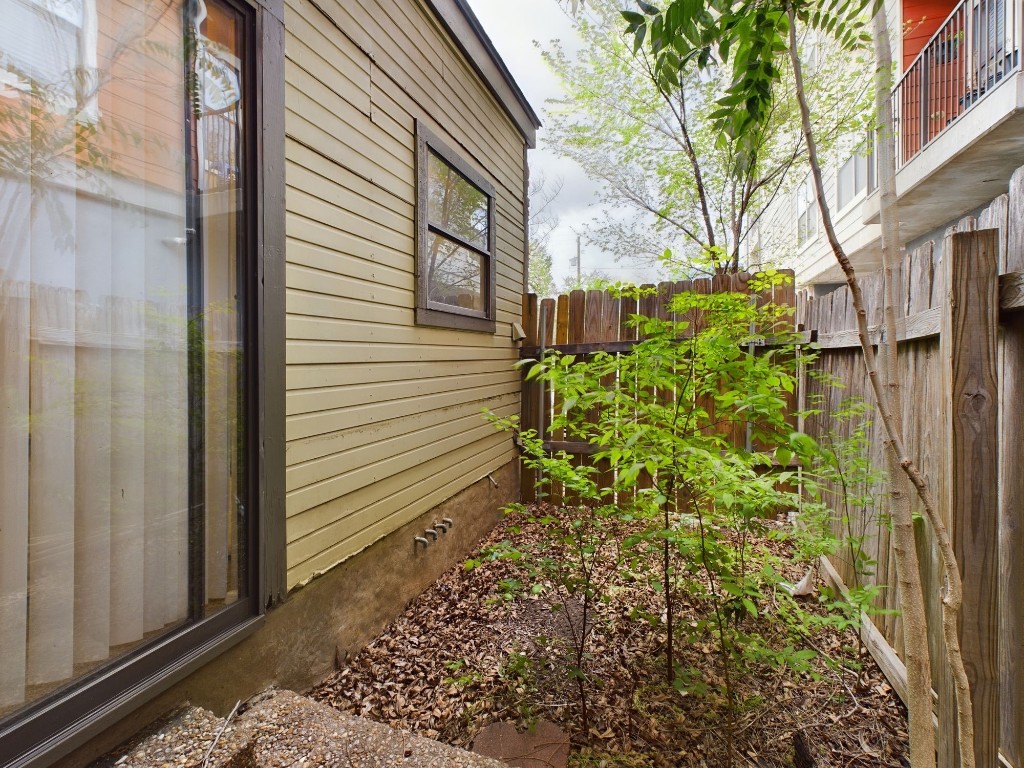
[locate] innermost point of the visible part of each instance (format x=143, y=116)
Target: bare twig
x=220, y=732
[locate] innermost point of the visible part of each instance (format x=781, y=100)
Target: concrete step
x=284, y=729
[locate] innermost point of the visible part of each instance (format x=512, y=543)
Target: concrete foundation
x=333, y=616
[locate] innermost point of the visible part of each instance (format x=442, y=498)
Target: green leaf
x=783, y=456
x=634, y=19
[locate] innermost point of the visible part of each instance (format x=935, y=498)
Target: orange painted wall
x=921, y=18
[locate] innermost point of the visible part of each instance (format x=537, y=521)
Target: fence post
x=970, y=322
x=1011, y=541
x=528, y=405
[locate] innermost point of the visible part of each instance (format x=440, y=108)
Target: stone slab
x=545, y=746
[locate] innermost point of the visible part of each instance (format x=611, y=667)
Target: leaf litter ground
x=464, y=655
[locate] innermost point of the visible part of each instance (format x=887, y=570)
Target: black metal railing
x=974, y=49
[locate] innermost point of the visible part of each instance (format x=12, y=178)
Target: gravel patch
x=281, y=728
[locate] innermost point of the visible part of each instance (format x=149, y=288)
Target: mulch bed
x=464, y=655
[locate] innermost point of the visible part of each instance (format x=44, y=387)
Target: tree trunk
x=896, y=449
x=912, y=605
x=886, y=153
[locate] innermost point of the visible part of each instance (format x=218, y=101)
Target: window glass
x=455, y=274
x=122, y=227
x=806, y=211
x=455, y=240
x=852, y=179
x=456, y=206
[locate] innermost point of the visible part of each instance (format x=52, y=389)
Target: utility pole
x=579, y=264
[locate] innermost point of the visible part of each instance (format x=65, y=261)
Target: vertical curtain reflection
x=95, y=329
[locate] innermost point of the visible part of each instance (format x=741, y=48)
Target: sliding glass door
x=125, y=212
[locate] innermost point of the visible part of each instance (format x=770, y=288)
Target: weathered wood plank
x=561, y=337
x=921, y=325
x=547, y=309
x=577, y=335
x=528, y=409
x=994, y=217
x=1015, y=223
x=1011, y=544
x=562, y=320
x=920, y=287
x=1011, y=291
x=577, y=317
x=627, y=309
x=609, y=333
x=968, y=353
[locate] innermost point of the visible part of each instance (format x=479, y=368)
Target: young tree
x=687, y=499
x=543, y=222
x=752, y=35
x=669, y=178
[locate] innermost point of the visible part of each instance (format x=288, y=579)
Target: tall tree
x=669, y=177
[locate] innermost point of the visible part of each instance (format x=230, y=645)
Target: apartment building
x=959, y=110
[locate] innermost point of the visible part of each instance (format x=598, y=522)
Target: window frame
x=432, y=313
x=49, y=728
x=806, y=197
x=856, y=165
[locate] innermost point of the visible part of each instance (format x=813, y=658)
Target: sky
x=514, y=26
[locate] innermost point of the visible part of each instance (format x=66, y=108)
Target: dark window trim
x=54, y=726
x=269, y=305
x=434, y=313
x=50, y=728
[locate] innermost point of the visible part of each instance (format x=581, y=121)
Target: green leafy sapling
x=694, y=426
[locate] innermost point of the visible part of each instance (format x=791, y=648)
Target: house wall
x=383, y=416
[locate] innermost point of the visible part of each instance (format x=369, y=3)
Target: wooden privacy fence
x=961, y=362
x=585, y=322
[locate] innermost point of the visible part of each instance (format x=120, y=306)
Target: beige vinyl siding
x=383, y=416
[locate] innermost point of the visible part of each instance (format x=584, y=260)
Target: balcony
x=975, y=49
x=959, y=111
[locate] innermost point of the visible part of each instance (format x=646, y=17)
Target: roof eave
x=469, y=35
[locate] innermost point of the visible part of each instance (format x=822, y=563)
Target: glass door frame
x=47, y=729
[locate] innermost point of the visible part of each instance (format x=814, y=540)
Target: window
x=852, y=178
x=806, y=212
x=128, y=294
x=455, y=240
x=872, y=162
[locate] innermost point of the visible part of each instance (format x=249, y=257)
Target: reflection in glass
x=456, y=206
x=455, y=276
x=120, y=234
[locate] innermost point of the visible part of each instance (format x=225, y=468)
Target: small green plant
x=517, y=674
x=462, y=675
x=851, y=488
x=568, y=564
x=693, y=425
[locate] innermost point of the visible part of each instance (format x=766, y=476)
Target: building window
x=455, y=261
x=852, y=178
x=127, y=293
x=806, y=212
x=872, y=162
